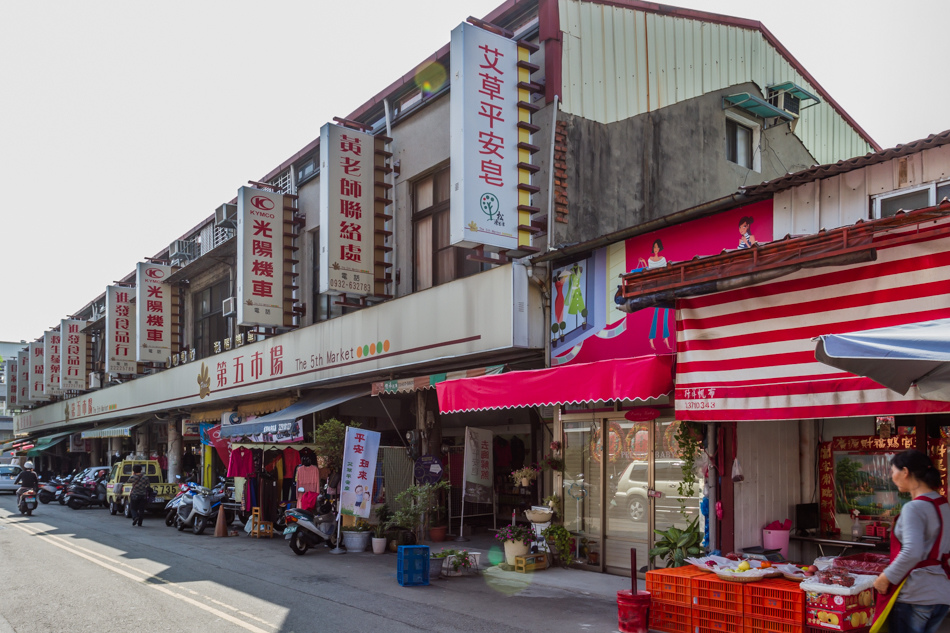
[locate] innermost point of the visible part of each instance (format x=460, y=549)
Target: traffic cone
x=220, y=529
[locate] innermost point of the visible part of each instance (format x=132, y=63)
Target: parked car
x=8, y=474
x=631, y=493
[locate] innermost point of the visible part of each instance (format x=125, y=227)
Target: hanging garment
x=308, y=478
x=274, y=464
x=240, y=464
x=257, y=457
x=291, y=461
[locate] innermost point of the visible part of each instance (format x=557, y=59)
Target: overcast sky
x=124, y=124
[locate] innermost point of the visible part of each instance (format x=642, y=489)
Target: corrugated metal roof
x=826, y=171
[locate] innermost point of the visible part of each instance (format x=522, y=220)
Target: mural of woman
x=659, y=314
x=575, y=294
x=746, y=239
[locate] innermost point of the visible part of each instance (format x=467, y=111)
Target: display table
x=844, y=541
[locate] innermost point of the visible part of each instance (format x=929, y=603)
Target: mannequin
x=308, y=483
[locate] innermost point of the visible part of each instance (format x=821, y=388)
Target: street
x=77, y=571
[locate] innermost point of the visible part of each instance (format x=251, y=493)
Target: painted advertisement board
x=260, y=258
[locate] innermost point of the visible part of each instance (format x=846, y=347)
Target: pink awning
x=638, y=378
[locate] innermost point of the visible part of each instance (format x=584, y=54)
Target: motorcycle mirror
x=301, y=490
x=177, y=476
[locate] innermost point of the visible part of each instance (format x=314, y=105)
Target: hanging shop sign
x=260, y=257
x=72, y=369
x=79, y=445
x=427, y=469
x=120, y=330
x=153, y=300
x=478, y=469
x=52, y=361
x=347, y=216
x=10, y=380
x=360, y=450
x=190, y=429
x=37, y=370
x=23, y=377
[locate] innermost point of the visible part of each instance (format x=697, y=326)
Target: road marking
x=149, y=580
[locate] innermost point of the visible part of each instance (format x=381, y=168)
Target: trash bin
x=633, y=611
x=776, y=539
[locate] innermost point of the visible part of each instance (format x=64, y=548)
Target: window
x=888, y=204
x=210, y=324
x=436, y=260
x=739, y=143
x=322, y=304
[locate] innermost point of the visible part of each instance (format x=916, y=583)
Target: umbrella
x=896, y=357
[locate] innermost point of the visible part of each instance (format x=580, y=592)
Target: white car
x=8, y=474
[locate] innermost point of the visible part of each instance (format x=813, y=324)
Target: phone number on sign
x=349, y=285
x=699, y=404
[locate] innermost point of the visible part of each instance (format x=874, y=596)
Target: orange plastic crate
x=716, y=621
x=670, y=617
x=672, y=585
x=709, y=592
x=775, y=600
x=759, y=625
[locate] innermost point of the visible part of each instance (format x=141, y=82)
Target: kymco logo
x=154, y=273
x=263, y=203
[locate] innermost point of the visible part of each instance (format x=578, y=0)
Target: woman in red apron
x=920, y=551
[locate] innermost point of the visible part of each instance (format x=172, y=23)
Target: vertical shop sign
x=478, y=471
x=37, y=369
x=120, y=330
x=153, y=313
x=10, y=370
x=359, y=469
x=189, y=429
x=52, y=353
x=211, y=436
x=72, y=370
x=23, y=378
x=260, y=258
x=347, y=211
x=484, y=141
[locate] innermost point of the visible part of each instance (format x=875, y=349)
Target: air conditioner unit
x=784, y=100
x=225, y=216
x=229, y=306
x=181, y=251
x=95, y=380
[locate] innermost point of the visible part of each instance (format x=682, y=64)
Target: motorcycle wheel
x=45, y=498
x=62, y=500
x=200, y=524
x=72, y=503
x=180, y=525
x=298, y=543
x=113, y=508
x=29, y=513
x=170, y=518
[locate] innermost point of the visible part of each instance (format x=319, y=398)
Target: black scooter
x=88, y=493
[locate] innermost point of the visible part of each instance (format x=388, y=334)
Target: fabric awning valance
x=122, y=429
x=211, y=415
x=408, y=385
x=263, y=407
x=281, y=420
x=640, y=378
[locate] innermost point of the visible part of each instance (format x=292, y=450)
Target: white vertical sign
x=72, y=372
x=10, y=370
x=120, y=330
x=52, y=352
x=153, y=327
x=478, y=469
x=260, y=258
x=347, y=211
x=359, y=471
x=37, y=368
x=484, y=139
x=23, y=378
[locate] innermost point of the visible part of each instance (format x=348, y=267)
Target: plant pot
x=355, y=541
x=525, y=482
x=437, y=534
x=513, y=549
x=379, y=545
x=435, y=567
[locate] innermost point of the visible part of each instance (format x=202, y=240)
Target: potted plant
x=561, y=542
x=330, y=439
x=553, y=502
x=454, y=562
x=517, y=540
x=525, y=475
x=356, y=537
x=379, y=530
x=675, y=545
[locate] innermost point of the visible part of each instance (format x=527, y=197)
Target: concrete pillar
x=807, y=443
x=115, y=448
x=174, y=449
x=141, y=441
x=95, y=453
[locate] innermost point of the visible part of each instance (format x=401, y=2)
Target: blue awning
x=283, y=420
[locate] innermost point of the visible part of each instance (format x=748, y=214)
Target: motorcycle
x=171, y=508
x=308, y=529
x=89, y=493
x=51, y=490
x=199, y=507
x=27, y=502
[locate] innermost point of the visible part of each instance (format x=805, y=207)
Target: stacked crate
x=717, y=604
x=671, y=598
x=774, y=606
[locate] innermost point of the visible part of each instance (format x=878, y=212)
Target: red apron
x=935, y=557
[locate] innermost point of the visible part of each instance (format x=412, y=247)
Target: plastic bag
x=737, y=475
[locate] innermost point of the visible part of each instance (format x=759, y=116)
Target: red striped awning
x=640, y=378
x=749, y=354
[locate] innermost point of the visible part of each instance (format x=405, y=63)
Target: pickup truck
x=116, y=492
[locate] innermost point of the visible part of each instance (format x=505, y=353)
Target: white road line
x=146, y=579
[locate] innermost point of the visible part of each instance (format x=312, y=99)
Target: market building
x=362, y=273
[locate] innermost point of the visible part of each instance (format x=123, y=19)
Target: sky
x=125, y=124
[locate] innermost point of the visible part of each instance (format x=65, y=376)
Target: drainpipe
x=541, y=280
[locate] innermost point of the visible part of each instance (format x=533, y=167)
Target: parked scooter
x=88, y=493
x=199, y=507
x=308, y=529
x=51, y=490
x=171, y=508
x=27, y=502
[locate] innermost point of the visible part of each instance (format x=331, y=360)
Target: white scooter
x=198, y=507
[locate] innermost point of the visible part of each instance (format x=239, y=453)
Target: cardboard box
x=839, y=620
x=840, y=603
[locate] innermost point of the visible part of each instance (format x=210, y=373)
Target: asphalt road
x=78, y=571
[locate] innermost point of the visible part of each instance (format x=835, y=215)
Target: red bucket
x=633, y=611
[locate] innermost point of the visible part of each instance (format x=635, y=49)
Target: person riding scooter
x=27, y=480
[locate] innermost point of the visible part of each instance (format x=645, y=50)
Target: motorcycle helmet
x=28, y=465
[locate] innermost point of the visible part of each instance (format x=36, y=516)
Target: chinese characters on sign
x=10, y=376
x=478, y=468
x=484, y=139
x=120, y=330
x=347, y=211
x=153, y=313
x=258, y=365
x=260, y=258
x=72, y=371
x=37, y=365
x=52, y=352
x=23, y=379
x=359, y=472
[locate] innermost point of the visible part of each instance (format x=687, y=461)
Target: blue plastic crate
x=412, y=565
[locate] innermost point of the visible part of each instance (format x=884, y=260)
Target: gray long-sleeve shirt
x=917, y=530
